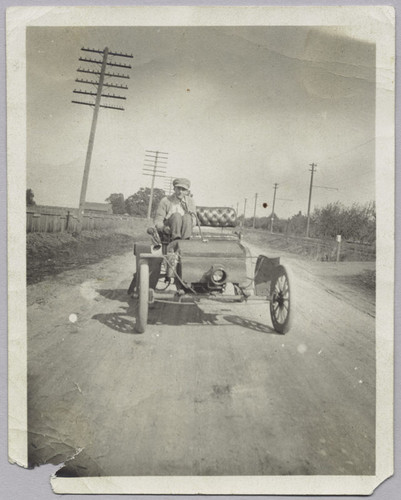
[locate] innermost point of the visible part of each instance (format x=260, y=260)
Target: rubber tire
x=281, y=326
x=143, y=298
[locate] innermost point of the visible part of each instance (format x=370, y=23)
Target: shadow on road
x=248, y=323
x=159, y=314
x=119, y=294
x=116, y=321
x=173, y=314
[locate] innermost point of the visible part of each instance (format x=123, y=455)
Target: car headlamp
x=218, y=276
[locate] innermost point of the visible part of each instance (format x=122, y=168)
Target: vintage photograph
x=202, y=256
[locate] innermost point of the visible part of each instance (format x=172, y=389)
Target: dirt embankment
x=51, y=253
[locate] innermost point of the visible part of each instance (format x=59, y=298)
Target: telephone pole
x=168, y=184
x=154, y=166
x=274, y=202
x=312, y=171
x=100, y=72
x=254, y=210
x=243, y=222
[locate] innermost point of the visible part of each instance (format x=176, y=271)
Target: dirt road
x=209, y=390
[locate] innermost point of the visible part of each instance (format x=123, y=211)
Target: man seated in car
x=175, y=214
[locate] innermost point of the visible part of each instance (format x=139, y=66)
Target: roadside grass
x=368, y=279
x=350, y=269
x=311, y=248
x=51, y=253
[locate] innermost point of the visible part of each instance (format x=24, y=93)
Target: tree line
x=136, y=204
x=356, y=222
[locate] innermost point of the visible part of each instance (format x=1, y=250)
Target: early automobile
x=213, y=264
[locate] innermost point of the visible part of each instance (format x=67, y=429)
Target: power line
x=326, y=187
x=328, y=158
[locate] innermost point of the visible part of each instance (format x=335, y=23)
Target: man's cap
x=181, y=182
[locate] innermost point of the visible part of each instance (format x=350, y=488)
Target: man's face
x=180, y=192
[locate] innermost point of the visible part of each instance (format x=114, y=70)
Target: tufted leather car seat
x=216, y=216
x=209, y=217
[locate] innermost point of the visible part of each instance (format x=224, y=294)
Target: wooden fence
x=326, y=250
x=316, y=249
x=67, y=221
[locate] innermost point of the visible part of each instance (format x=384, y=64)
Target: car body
x=215, y=265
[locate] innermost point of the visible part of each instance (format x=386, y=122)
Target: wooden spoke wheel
x=143, y=298
x=281, y=300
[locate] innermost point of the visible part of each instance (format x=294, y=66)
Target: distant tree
x=360, y=222
x=262, y=223
x=30, y=197
x=279, y=225
x=329, y=220
x=297, y=224
x=137, y=204
x=368, y=234
x=248, y=222
x=357, y=222
x=117, y=203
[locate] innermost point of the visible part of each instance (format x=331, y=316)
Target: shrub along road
x=208, y=390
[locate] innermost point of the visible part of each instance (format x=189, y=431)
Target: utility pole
x=274, y=202
x=254, y=210
x=100, y=73
x=243, y=222
x=154, y=166
x=237, y=208
x=312, y=171
x=168, y=184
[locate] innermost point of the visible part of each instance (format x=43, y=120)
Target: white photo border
x=380, y=22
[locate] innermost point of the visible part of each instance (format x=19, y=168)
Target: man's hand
x=155, y=236
x=167, y=229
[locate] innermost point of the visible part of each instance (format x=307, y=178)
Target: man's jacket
x=171, y=205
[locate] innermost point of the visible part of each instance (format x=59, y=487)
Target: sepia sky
x=237, y=109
